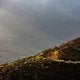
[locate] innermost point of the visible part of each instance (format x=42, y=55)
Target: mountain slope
x=66, y=51
x=59, y=63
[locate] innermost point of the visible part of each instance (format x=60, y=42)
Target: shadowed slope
x=70, y=50
x=59, y=63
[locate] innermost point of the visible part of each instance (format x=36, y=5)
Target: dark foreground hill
x=59, y=63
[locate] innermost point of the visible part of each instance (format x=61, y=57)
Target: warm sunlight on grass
x=56, y=55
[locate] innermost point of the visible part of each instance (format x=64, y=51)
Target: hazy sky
x=29, y=26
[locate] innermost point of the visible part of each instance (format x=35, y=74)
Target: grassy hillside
x=59, y=63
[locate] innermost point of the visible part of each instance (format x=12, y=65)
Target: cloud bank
x=29, y=26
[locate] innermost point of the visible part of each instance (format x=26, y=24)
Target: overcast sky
x=30, y=26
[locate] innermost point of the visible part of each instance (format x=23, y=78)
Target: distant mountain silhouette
x=59, y=63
